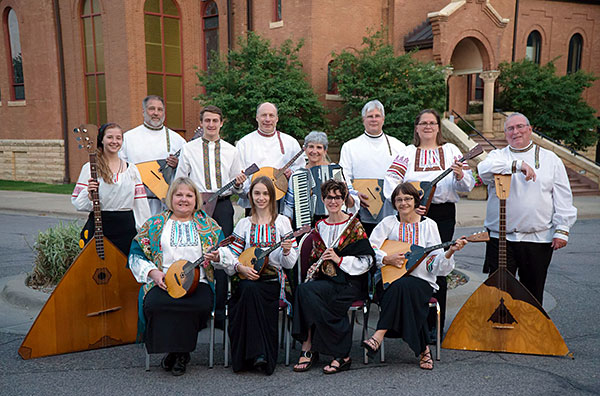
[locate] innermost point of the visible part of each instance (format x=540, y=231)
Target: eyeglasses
x=334, y=198
x=424, y=124
x=518, y=126
x=407, y=200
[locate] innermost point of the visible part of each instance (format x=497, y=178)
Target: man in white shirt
x=369, y=157
x=266, y=146
x=539, y=208
x=152, y=141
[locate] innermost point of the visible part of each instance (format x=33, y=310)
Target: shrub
x=55, y=249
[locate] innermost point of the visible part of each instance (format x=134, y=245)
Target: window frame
x=570, y=53
x=9, y=57
x=204, y=30
x=95, y=73
x=537, y=50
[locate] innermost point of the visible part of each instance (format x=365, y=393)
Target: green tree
x=404, y=85
x=553, y=104
x=256, y=73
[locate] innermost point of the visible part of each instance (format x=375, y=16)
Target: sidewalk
x=19, y=305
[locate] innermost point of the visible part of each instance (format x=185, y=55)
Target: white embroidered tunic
x=126, y=193
x=417, y=164
x=424, y=233
x=536, y=211
x=367, y=157
x=142, y=144
x=178, y=241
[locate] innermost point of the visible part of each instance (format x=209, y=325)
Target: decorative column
x=448, y=70
x=488, y=77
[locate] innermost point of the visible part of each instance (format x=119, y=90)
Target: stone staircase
x=580, y=185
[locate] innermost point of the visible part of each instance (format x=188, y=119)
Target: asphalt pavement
x=572, y=290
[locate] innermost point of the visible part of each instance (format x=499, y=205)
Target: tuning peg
x=78, y=138
x=76, y=130
x=84, y=130
x=81, y=146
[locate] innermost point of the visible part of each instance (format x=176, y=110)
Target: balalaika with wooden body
x=426, y=189
x=95, y=303
x=182, y=276
x=277, y=176
x=258, y=258
x=306, y=183
x=157, y=174
x=502, y=315
x=209, y=199
x=414, y=255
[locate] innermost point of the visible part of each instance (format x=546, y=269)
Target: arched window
x=575, y=49
x=15, y=58
x=93, y=57
x=534, y=46
x=210, y=21
x=332, y=88
x=164, y=70
x=277, y=16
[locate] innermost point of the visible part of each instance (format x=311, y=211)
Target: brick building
x=65, y=62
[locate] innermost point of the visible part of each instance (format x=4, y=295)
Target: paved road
x=573, y=286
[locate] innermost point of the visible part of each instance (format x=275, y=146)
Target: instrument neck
x=502, y=235
x=445, y=173
x=98, y=231
x=265, y=253
x=290, y=162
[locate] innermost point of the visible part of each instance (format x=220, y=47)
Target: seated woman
x=254, y=306
x=321, y=306
x=405, y=303
x=122, y=195
x=182, y=232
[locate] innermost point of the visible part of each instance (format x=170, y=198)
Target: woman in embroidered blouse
x=424, y=160
x=321, y=306
x=404, y=304
x=183, y=232
x=254, y=306
x=122, y=196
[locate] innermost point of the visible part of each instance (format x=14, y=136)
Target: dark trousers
x=445, y=217
x=529, y=258
x=223, y=215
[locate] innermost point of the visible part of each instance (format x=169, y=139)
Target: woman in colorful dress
x=321, y=306
x=405, y=303
x=424, y=160
x=254, y=306
x=123, y=203
x=183, y=232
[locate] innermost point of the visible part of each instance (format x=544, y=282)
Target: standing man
x=369, y=157
x=152, y=141
x=266, y=146
x=539, y=208
x=211, y=163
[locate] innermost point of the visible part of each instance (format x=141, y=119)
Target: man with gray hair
x=365, y=160
x=539, y=207
x=152, y=141
x=267, y=146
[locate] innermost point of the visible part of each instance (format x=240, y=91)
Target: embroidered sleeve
x=394, y=175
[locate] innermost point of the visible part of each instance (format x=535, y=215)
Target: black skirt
x=254, y=316
x=172, y=324
x=118, y=226
x=322, y=306
x=404, y=308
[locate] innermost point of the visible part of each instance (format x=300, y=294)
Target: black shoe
x=168, y=361
x=260, y=362
x=180, y=364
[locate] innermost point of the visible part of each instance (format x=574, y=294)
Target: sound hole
x=102, y=276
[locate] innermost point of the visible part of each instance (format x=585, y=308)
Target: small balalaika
x=502, y=315
x=307, y=191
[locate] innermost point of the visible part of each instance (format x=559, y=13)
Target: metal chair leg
x=147, y=358
x=382, y=351
x=287, y=337
x=211, y=343
x=365, y=330
x=439, y=332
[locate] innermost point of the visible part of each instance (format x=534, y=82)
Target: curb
x=16, y=293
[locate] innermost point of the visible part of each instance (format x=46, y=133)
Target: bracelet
x=235, y=267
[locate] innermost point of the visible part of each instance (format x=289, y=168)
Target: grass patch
x=37, y=187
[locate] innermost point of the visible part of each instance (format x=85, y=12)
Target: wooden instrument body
x=209, y=199
x=182, y=278
x=390, y=273
x=154, y=176
x=208, y=205
x=93, y=306
x=502, y=315
x=373, y=189
x=251, y=258
x=278, y=178
x=426, y=191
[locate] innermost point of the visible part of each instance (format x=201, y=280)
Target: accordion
x=306, y=184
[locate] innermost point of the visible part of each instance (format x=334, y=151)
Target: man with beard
x=152, y=141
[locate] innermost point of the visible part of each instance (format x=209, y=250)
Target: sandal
x=426, y=361
x=313, y=358
x=372, y=346
x=343, y=366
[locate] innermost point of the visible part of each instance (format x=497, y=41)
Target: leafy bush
x=55, y=250
x=553, y=104
x=404, y=85
x=257, y=73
